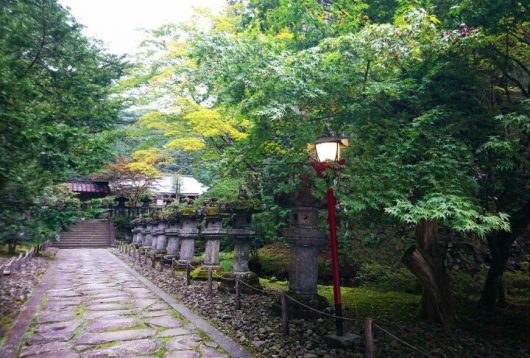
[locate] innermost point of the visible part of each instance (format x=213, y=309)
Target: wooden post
x=173, y=267
x=369, y=338
x=162, y=263
x=145, y=257
x=238, y=294
x=153, y=260
x=209, y=282
x=285, y=315
x=188, y=274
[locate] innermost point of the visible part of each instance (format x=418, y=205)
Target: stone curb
x=16, y=334
x=229, y=345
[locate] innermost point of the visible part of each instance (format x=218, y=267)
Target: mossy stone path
x=93, y=306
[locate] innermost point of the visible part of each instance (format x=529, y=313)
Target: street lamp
x=328, y=157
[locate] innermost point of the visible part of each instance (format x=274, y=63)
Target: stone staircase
x=93, y=233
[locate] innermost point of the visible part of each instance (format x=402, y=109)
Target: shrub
x=387, y=278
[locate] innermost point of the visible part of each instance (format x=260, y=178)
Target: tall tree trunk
x=11, y=247
x=427, y=262
x=499, y=244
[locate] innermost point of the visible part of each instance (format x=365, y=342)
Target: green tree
x=55, y=102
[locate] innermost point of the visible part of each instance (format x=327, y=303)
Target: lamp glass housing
x=328, y=148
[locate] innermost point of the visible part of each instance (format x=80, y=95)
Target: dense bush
x=387, y=278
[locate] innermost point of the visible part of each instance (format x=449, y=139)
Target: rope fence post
x=209, y=293
x=369, y=338
x=162, y=263
x=285, y=315
x=173, y=267
x=188, y=274
x=238, y=294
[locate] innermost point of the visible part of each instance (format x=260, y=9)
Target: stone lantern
x=305, y=238
x=241, y=233
x=172, y=234
x=188, y=232
x=135, y=233
x=213, y=232
x=147, y=237
x=161, y=241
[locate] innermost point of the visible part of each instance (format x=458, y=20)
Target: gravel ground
x=17, y=287
x=259, y=329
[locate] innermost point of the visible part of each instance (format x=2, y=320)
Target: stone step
x=85, y=241
x=81, y=236
x=82, y=246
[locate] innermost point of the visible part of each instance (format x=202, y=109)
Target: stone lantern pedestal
x=161, y=239
x=213, y=232
x=172, y=234
x=241, y=233
x=161, y=243
x=137, y=236
x=188, y=232
x=147, y=240
x=305, y=239
x=147, y=237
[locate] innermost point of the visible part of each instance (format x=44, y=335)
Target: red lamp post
x=328, y=158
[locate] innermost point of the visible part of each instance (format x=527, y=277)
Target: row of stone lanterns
x=172, y=238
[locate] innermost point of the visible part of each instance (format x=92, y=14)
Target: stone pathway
x=93, y=306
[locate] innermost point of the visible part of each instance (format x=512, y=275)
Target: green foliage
x=54, y=107
x=95, y=209
x=387, y=278
x=56, y=209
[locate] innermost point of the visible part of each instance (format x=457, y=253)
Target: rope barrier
x=402, y=341
x=322, y=312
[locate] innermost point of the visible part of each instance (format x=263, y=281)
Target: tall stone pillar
x=305, y=239
x=147, y=236
x=213, y=232
x=188, y=233
x=241, y=233
x=172, y=234
x=161, y=241
x=138, y=239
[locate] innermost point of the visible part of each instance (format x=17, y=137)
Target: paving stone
x=52, y=336
x=211, y=344
x=106, y=337
x=207, y=352
x=106, y=294
x=166, y=322
x=174, y=332
x=101, y=314
x=62, y=293
x=43, y=348
x=182, y=354
x=106, y=307
x=58, y=307
x=143, y=303
x=70, y=301
x=57, y=326
x=49, y=316
x=156, y=313
x=159, y=306
x=57, y=354
x=116, y=299
x=135, y=348
x=102, y=325
x=82, y=347
x=182, y=343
